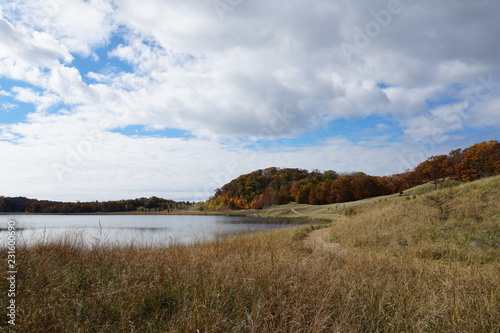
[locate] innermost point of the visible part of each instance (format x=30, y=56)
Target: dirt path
x=316, y=241
x=296, y=212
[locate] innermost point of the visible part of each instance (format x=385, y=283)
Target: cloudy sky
x=105, y=100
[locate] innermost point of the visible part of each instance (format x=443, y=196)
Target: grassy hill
x=398, y=265
x=465, y=229
x=333, y=211
x=276, y=186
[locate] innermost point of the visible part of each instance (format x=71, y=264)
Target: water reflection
x=134, y=229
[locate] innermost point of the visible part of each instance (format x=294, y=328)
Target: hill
x=278, y=186
x=330, y=212
x=456, y=224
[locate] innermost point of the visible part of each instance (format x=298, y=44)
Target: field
x=427, y=261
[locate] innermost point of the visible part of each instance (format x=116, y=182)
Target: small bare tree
x=441, y=203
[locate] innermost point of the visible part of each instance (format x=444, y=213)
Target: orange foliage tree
x=480, y=160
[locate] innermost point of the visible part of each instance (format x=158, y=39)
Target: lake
x=138, y=230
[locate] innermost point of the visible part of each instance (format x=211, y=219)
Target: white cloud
x=7, y=107
x=78, y=25
x=486, y=114
x=41, y=101
x=30, y=47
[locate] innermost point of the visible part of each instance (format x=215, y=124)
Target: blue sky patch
x=140, y=130
x=383, y=85
x=103, y=64
x=355, y=130
x=13, y=111
x=358, y=130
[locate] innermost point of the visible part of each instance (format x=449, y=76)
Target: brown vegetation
x=401, y=270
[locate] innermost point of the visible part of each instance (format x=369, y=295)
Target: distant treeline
x=276, y=186
x=21, y=205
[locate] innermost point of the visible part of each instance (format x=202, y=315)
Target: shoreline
x=223, y=213
x=234, y=213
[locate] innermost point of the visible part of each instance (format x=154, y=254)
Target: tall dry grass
x=273, y=282
x=468, y=233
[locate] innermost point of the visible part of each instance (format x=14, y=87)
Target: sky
x=108, y=100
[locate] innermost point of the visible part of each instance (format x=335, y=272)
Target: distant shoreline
x=175, y=212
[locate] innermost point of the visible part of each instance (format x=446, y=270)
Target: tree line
x=276, y=186
x=25, y=205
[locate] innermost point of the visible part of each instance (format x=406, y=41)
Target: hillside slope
x=334, y=211
x=277, y=186
x=457, y=224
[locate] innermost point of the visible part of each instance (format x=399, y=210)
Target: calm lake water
x=133, y=229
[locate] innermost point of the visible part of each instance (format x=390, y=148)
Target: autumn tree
x=302, y=196
x=434, y=169
x=318, y=194
x=480, y=160
x=342, y=190
x=366, y=187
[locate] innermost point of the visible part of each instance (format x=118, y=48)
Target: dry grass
x=403, y=270
x=468, y=233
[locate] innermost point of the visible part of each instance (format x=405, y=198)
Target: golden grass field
x=396, y=264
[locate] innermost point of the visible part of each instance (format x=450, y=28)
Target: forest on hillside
x=276, y=186
x=25, y=205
